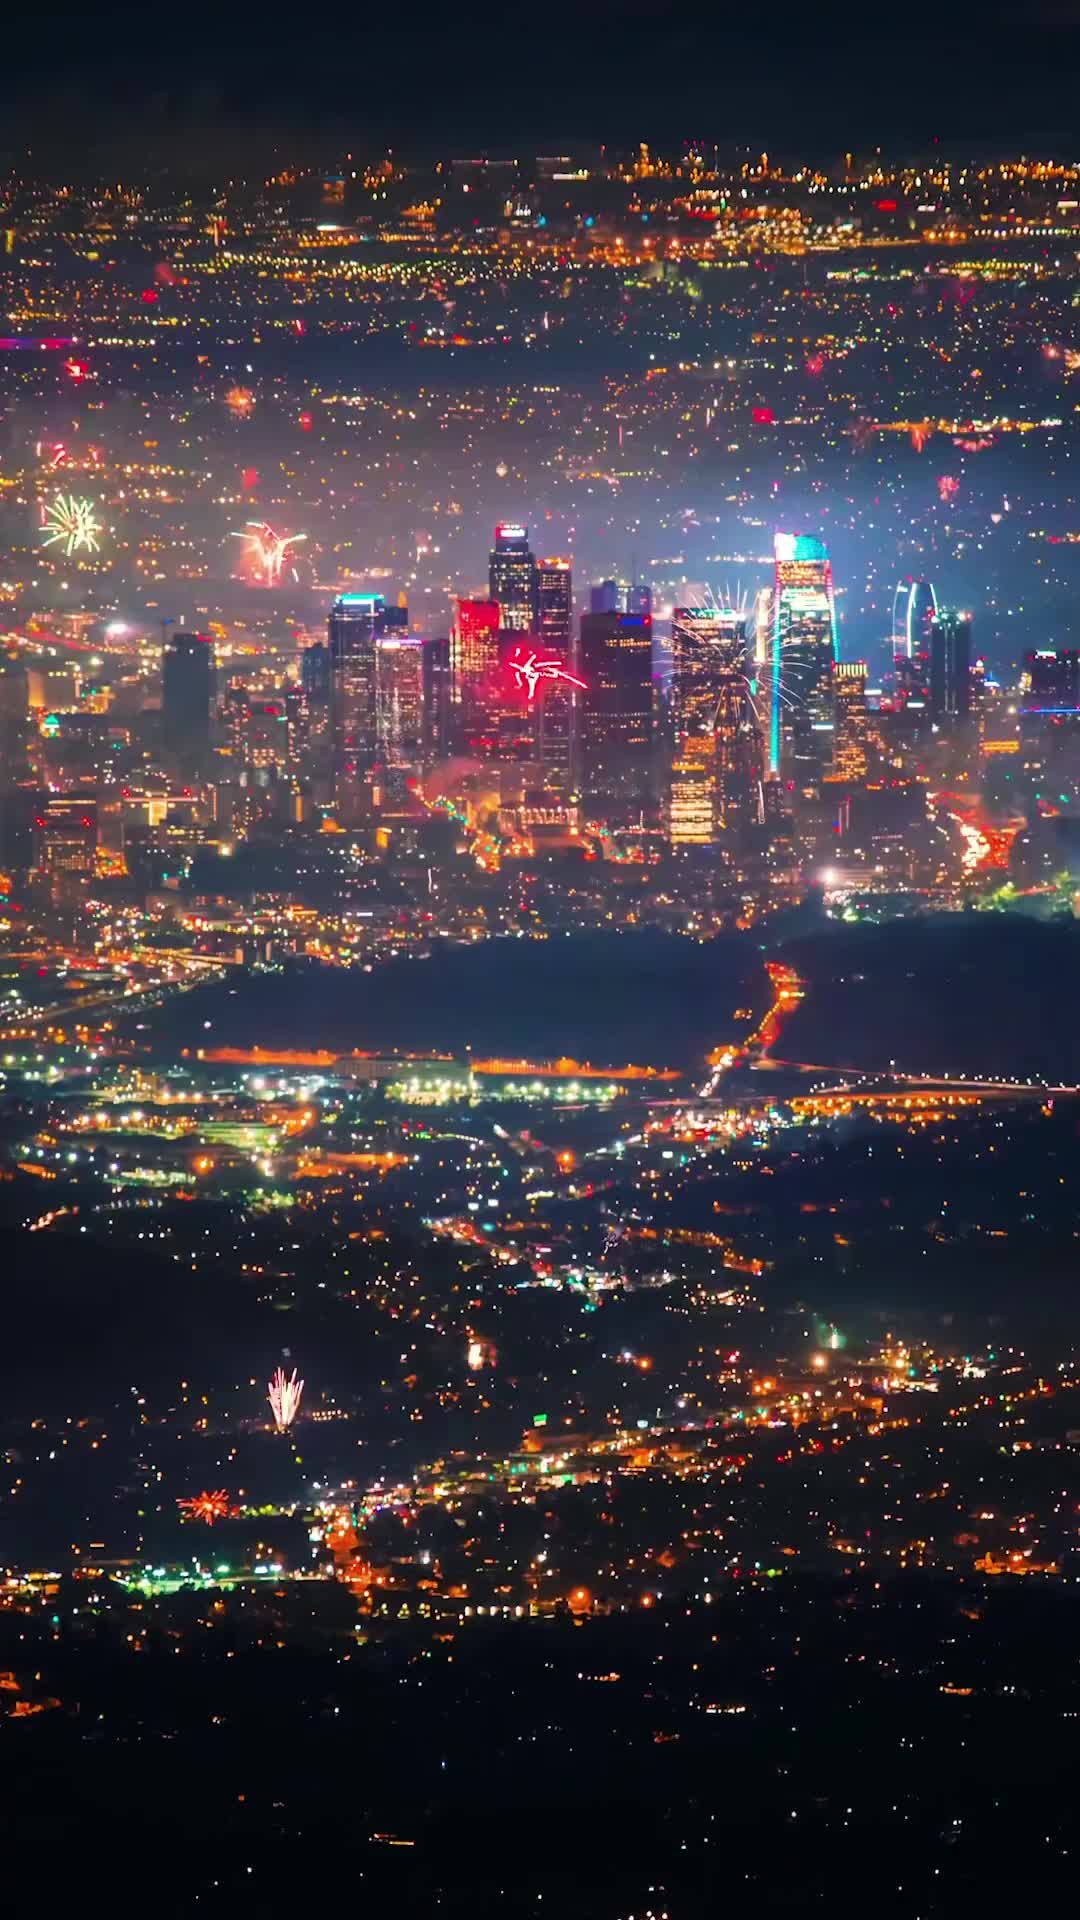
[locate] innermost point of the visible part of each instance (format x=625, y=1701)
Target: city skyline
x=539, y=877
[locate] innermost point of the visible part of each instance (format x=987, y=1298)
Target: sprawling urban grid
x=540, y=844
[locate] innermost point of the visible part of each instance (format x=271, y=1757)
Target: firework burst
x=284, y=1396
x=70, y=523
x=268, y=549
x=207, y=1507
x=240, y=402
x=529, y=669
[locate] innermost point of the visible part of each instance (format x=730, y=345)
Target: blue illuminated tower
x=803, y=651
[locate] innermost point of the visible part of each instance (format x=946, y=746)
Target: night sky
x=211, y=91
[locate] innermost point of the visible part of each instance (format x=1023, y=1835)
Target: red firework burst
x=207, y=1507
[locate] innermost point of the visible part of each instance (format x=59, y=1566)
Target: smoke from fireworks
x=284, y=1396
x=69, y=523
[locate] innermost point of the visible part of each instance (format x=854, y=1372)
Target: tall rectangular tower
x=474, y=667
x=803, y=653
x=850, y=723
x=399, y=681
x=950, y=666
x=356, y=622
x=512, y=578
x=555, y=592
x=615, y=660
x=187, y=692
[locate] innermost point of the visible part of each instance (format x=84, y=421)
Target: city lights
x=540, y=867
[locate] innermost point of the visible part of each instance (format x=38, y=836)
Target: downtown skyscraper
x=512, y=578
x=357, y=620
x=555, y=605
x=714, y=786
x=803, y=653
x=616, y=664
x=187, y=694
x=950, y=666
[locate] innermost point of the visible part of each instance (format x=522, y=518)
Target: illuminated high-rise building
x=540, y=727
x=65, y=842
x=262, y=737
x=356, y=622
x=604, y=597
x=716, y=738
x=399, y=690
x=399, y=683
x=914, y=611
x=615, y=662
x=474, y=666
x=315, y=677
x=708, y=648
x=266, y=743
x=851, y=742
x=512, y=578
x=554, y=724
x=313, y=731
x=1050, y=683
x=187, y=693
x=557, y=704
x=438, y=700
x=738, y=795
x=1050, y=717
x=950, y=667
x=691, y=794
x=555, y=592
x=802, y=655
x=914, y=608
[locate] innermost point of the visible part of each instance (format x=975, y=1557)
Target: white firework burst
x=70, y=523
x=284, y=1396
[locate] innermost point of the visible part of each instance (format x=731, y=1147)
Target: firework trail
x=284, y=1396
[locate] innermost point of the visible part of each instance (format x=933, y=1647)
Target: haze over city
x=539, y=877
